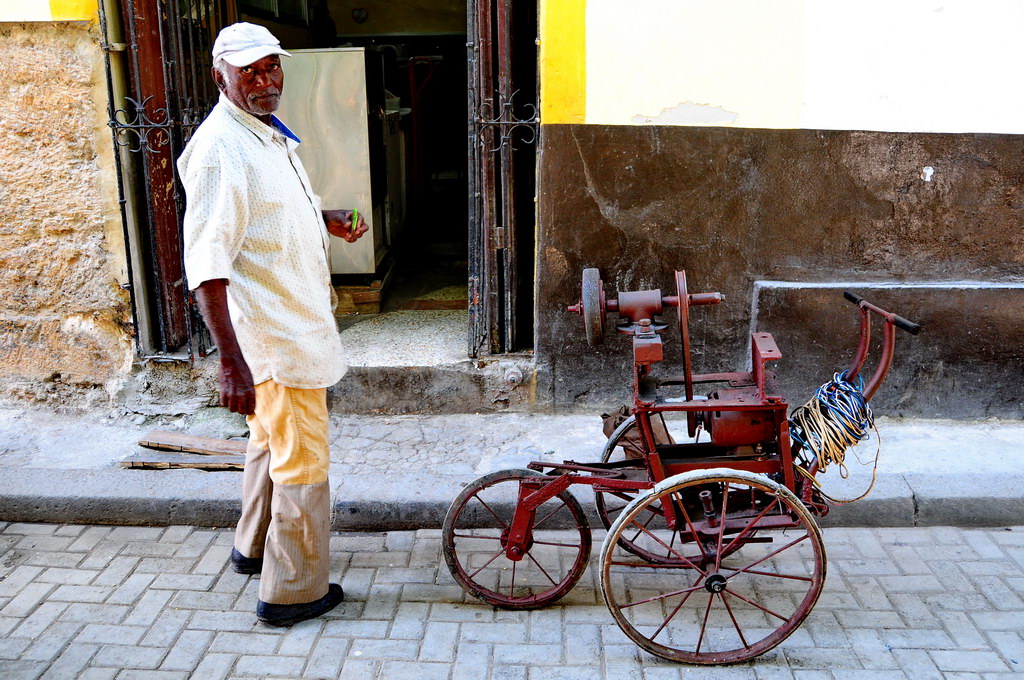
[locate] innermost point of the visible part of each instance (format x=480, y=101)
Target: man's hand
x=235, y=384
x=339, y=223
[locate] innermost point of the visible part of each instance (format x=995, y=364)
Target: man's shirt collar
x=283, y=129
x=256, y=126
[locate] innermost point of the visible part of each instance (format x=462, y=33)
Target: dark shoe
x=289, y=614
x=245, y=565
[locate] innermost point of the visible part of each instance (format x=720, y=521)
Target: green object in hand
x=355, y=220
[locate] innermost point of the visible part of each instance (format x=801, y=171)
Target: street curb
x=420, y=501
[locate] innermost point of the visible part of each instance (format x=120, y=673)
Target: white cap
x=242, y=44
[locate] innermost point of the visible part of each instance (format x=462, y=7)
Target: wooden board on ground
x=179, y=441
x=359, y=299
x=364, y=298
x=152, y=460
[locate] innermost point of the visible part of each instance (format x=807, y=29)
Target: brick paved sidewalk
x=102, y=602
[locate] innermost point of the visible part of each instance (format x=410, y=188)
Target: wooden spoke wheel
x=706, y=602
x=475, y=541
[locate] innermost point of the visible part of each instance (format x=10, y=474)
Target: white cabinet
x=327, y=104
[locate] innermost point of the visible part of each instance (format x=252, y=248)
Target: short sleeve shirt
x=252, y=218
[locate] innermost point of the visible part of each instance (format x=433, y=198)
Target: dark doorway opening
x=469, y=214
x=427, y=73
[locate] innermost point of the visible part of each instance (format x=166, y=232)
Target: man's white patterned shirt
x=252, y=218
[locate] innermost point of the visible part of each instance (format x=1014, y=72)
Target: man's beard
x=265, y=103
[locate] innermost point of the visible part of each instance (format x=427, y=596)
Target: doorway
x=451, y=102
x=464, y=75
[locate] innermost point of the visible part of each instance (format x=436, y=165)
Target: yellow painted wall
x=563, y=61
x=48, y=10
x=73, y=10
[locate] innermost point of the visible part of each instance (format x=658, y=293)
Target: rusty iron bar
x=141, y=21
x=477, y=335
x=495, y=125
x=155, y=62
x=508, y=253
x=168, y=43
x=106, y=30
x=490, y=278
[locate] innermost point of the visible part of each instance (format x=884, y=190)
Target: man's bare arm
x=235, y=382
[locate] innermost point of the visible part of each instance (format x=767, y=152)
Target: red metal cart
x=712, y=553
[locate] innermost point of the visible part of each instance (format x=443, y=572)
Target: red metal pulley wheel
x=684, y=341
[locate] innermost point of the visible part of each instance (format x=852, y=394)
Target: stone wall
x=65, y=321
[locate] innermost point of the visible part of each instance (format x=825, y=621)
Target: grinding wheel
x=594, y=307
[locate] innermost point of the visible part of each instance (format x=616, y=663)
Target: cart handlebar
x=888, y=341
x=895, y=319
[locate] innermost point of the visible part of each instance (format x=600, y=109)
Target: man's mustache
x=271, y=92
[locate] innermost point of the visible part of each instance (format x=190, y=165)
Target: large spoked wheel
x=476, y=543
x=707, y=602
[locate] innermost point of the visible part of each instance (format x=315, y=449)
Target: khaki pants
x=285, y=493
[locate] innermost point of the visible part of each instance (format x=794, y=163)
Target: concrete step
x=406, y=362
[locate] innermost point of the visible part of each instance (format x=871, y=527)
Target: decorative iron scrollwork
x=507, y=122
x=192, y=115
x=137, y=130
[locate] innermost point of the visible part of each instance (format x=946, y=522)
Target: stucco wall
x=64, y=318
x=807, y=213
x=781, y=152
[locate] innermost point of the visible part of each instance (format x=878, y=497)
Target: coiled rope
x=834, y=419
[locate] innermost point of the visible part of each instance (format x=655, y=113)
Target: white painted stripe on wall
x=888, y=65
x=962, y=285
x=694, y=62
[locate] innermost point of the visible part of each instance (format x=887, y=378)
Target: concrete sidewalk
x=402, y=472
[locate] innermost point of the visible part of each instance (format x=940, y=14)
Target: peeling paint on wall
x=689, y=113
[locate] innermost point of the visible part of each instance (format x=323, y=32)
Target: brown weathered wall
x=734, y=206
x=64, y=320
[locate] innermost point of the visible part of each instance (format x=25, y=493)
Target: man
x=256, y=244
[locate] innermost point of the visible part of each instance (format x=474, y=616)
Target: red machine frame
x=682, y=489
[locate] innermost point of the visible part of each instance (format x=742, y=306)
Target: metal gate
x=503, y=122
x=160, y=89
